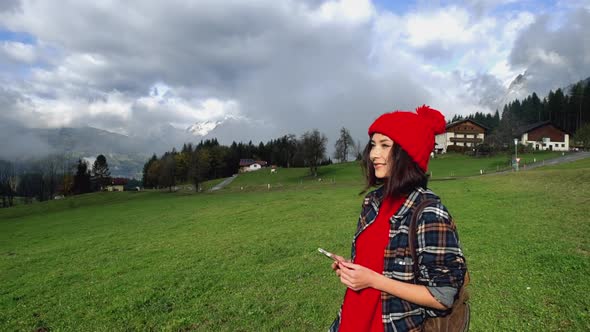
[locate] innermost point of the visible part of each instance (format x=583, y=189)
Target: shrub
x=458, y=149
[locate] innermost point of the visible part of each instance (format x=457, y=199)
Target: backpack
x=458, y=319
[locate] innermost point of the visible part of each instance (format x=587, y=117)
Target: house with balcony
x=464, y=133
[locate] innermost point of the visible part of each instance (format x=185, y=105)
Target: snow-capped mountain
x=518, y=89
x=232, y=128
x=203, y=128
x=526, y=83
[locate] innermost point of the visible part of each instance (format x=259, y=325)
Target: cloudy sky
x=276, y=67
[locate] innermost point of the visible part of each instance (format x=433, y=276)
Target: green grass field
x=442, y=167
x=246, y=260
x=457, y=165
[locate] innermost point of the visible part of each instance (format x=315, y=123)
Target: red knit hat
x=414, y=132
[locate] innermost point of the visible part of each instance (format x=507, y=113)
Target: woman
x=383, y=293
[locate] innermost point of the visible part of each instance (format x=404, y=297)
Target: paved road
x=559, y=160
x=224, y=183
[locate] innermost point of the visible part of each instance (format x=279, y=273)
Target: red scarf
x=362, y=310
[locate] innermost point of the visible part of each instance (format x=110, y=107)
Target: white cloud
x=114, y=104
x=19, y=52
x=448, y=26
x=548, y=57
x=183, y=112
x=290, y=65
x=448, y=52
x=349, y=11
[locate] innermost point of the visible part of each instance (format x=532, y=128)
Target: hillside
x=165, y=261
x=442, y=167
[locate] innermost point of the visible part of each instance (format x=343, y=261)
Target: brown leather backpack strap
x=412, y=233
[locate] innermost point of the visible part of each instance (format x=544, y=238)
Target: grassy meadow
x=245, y=258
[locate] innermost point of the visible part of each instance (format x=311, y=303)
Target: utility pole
x=516, y=153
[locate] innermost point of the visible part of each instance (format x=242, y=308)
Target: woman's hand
x=356, y=277
x=336, y=264
x=339, y=259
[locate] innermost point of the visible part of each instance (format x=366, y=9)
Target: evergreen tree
x=576, y=94
x=504, y=132
x=147, y=181
x=556, y=107
x=496, y=120
x=585, y=105
x=216, y=161
x=82, y=178
x=536, y=107
x=101, y=175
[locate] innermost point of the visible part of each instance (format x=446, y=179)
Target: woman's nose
x=372, y=154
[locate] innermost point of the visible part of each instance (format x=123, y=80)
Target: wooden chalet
x=464, y=133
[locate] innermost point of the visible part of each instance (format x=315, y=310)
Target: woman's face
x=380, y=149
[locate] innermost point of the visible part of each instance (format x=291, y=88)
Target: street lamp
x=516, y=153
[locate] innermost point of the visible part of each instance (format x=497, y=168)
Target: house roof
x=248, y=162
x=452, y=124
x=119, y=181
x=528, y=128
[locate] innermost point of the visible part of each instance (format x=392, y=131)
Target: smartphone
x=328, y=254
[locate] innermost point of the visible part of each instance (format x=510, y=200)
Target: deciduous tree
x=167, y=176
x=199, y=167
x=314, y=149
x=343, y=145
x=582, y=136
x=7, y=177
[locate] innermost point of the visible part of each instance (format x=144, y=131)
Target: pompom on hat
x=414, y=132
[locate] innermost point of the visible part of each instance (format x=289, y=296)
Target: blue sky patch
x=22, y=37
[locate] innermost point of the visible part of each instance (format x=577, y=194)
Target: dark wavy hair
x=405, y=174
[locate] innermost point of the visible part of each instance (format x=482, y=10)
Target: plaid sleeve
x=440, y=257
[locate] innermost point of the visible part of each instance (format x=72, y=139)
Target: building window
x=563, y=145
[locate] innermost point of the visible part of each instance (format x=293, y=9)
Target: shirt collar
x=413, y=199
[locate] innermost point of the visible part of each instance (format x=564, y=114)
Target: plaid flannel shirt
x=441, y=261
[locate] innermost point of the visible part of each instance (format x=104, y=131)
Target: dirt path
x=224, y=183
